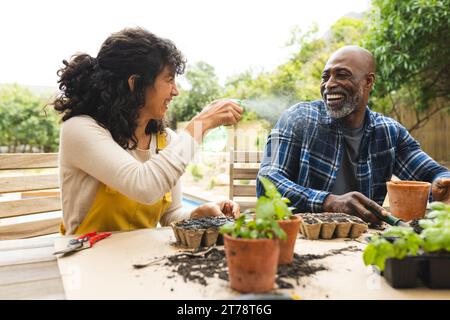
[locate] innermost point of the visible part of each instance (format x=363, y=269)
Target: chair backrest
x=28, y=186
x=244, y=167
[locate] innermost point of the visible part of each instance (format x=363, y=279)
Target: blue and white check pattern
x=306, y=147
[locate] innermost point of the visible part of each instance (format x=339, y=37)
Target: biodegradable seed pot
x=343, y=227
x=329, y=225
x=199, y=232
x=408, y=199
x=311, y=228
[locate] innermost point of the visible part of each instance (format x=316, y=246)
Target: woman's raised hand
x=217, y=113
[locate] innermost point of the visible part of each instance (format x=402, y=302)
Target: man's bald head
x=347, y=79
x=361, y=57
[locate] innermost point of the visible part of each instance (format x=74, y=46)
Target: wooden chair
x=244, y=167
x=37, y=196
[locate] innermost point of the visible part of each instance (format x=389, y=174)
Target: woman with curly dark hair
x=119, y=164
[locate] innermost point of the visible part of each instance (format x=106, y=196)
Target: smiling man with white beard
x=336, y=155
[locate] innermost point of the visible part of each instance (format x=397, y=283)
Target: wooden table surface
x=28, y=270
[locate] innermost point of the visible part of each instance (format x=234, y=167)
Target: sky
x=231, y=35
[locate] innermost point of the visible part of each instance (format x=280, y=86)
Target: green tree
x=411, y=42
x=203, y=88
x=24, y=124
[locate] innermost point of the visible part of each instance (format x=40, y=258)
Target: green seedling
x=399, y=242
x=269, y=208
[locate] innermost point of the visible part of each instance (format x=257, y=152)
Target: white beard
x=348, y=107
x=343, y=112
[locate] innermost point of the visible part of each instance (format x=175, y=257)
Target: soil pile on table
x=301, y=266
x=197, y=267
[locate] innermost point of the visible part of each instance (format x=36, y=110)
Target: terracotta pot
x=252, y=263
x=408, y=199
x=291, y=227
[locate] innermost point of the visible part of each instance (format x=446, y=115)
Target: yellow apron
x=113, y=211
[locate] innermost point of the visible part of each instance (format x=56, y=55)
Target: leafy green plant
x=272, y=203
x=396, y=242
x=269, y=208
x=254, y=229
x=436, y=228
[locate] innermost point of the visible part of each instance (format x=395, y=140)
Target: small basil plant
x=272, y=203
x=269, y=208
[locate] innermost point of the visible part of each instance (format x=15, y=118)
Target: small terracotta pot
x=408, y=199
x=252, y=263
x=291, y=227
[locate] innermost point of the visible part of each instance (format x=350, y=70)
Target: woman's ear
x=131, y=82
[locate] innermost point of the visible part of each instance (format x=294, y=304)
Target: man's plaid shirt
x=306, y=147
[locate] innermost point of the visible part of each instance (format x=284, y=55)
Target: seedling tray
x=331, y=225
x=432, y=269
x=201, y=232
x=435, y=270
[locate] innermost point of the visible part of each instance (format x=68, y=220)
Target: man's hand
x=354, y=203
x=441, y=190
x=225, y=207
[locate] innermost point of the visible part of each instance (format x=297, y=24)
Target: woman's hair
x=98, y=87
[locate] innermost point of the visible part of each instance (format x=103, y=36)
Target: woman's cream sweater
x=89, y=155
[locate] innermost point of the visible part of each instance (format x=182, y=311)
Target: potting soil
x=201, y=266
x=205, y=222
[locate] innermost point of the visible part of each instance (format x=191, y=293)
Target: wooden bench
x=244, y=167
x=39, y=194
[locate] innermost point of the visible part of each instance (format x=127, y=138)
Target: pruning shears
x=85, y=241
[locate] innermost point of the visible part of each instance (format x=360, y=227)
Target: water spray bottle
x=239, y=102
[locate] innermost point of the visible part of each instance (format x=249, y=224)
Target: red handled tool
x=85, y=241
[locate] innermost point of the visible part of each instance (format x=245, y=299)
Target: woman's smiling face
x=159, y=96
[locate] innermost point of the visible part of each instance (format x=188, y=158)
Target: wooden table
x=28, y=270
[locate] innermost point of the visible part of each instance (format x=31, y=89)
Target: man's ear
x=131, y=82
x=370, y=78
